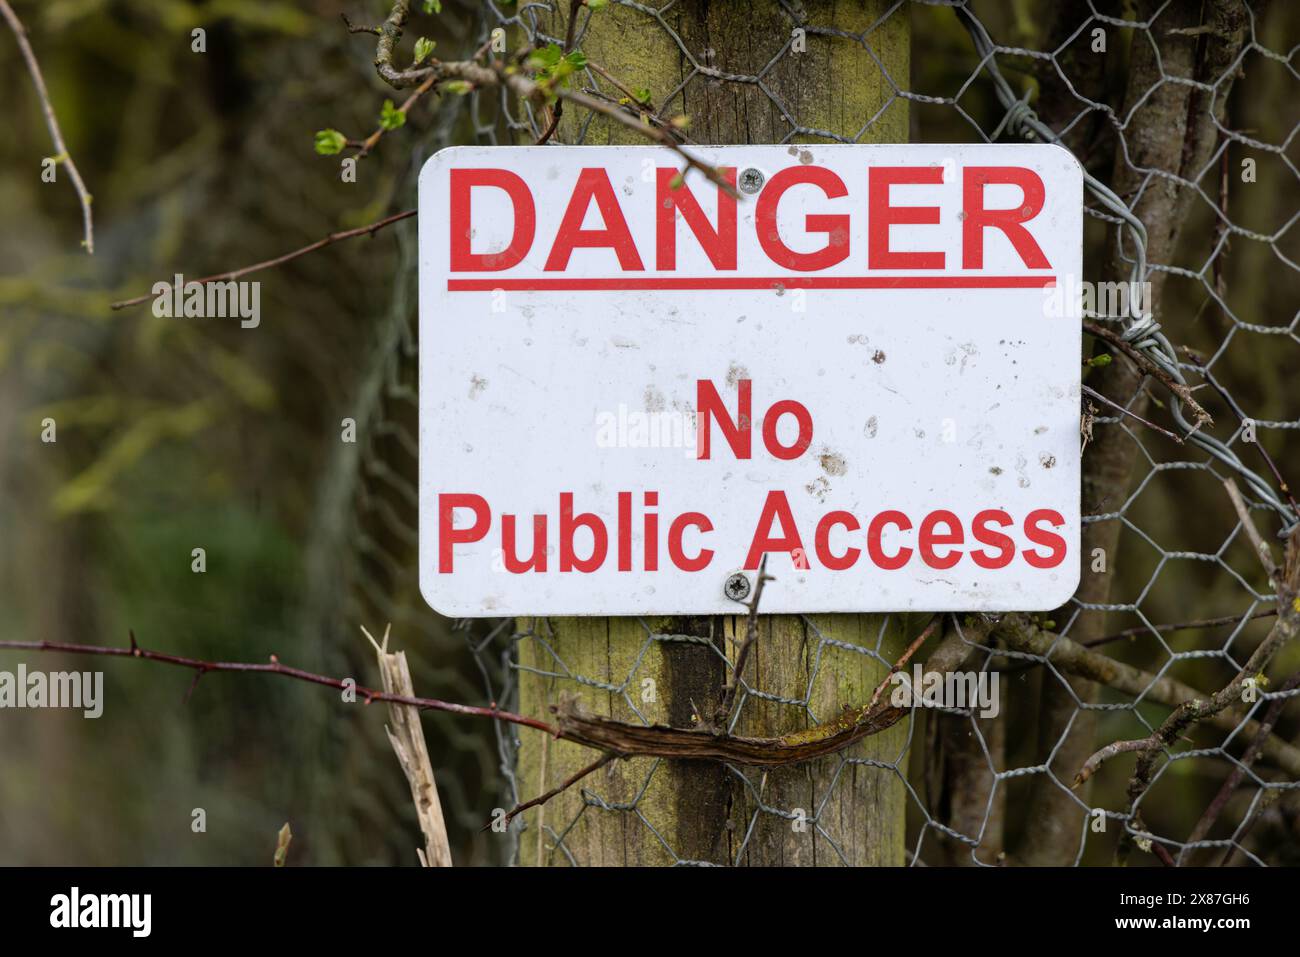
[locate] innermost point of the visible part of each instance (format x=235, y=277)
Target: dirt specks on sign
x=654, y=399
x=878, y=357
x=833, y=463
x=871, y=428
x=476, y=385
x=965, y=352
x=1046, y=461
x=818, y=488
x=736, y=372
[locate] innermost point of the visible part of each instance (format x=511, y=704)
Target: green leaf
x=546, y=58
x=642, y=95
x=677, y=181
x=423, y=47
x=458, y=87
x=594, y=5
x=577, y=59
x=432, y=6
x=329, y=142
x=390, y=118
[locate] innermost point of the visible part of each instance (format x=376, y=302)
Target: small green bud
x=329, y=142
x=390, y=118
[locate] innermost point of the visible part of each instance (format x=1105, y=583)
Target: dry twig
x=751, y=636
x=1287, y=582
x=331, y=239
x=413, y=754
x=567, y=783
x=52, y=123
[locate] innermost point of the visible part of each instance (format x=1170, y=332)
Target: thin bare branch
x=751, y=635
x=1141, y=630
x=1198, y=708
x=1283, y=485
x=331, y=239
x=1020, y=633
x=1230, y=784
x=358, y=28
x=568, y=782
x=52, y=123
x=1109, y=751
x=1262, y=551
x=899, y=665
x=1088, y=390
x=1150, y=368
x=369, y=143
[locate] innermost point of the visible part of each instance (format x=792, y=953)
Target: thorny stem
x=274, y=667
x=613, y=738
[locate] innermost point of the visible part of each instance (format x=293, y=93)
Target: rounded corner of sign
x=444, y=604
x=1071, y=161
x=440, y=158
x=1060, y=594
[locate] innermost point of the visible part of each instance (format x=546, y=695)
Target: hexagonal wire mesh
x=1181, y=550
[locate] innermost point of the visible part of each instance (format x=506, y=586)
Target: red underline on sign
x=751, y=282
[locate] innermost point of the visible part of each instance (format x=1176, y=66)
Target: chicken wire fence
x=1181, y=551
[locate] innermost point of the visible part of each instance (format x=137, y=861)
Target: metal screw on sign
x=737, y=587
x=751, y=180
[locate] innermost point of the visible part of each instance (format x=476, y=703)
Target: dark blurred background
x=177, y=434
